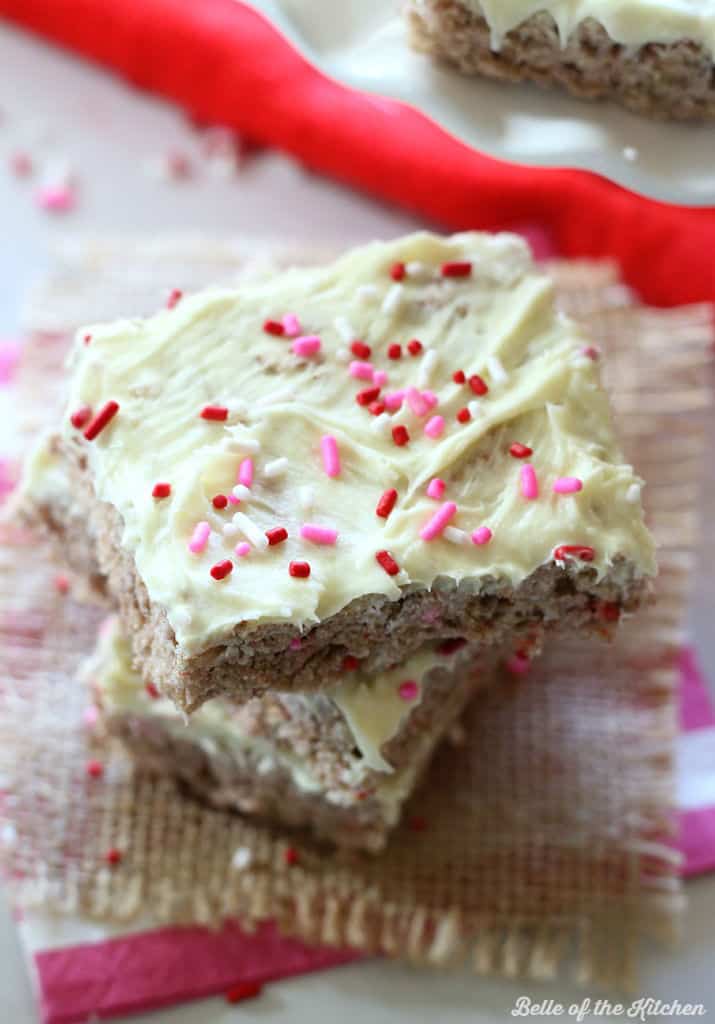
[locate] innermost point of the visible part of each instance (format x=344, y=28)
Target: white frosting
x=630, y=22
x=211, y=349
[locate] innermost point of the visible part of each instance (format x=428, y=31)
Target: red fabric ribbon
x=225, y=64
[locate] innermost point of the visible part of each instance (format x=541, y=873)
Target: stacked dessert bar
x=323, y=503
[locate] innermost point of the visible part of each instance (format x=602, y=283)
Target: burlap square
x=542, y=838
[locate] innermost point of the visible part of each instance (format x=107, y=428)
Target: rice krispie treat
x=403, y=446
x=653, y=56
x=342, y=766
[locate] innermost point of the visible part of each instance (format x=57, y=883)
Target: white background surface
x=107, y=133
x=361, y=43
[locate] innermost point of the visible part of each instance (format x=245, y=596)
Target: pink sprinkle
x=409, y=690
x=9, y=358
x=363, y=371
x=518, y=665
x=55, y=198
x=529, y=483
x=568, y=485
x=331, y=455
x=90, y=717
x=291, y=325
x=295, y=644
x=245, y=472
x=430, y=398
x=308, y=345
x=439, y=521
x=416, y=402
x=379, y=377
x=242, y=549
x=435, y=426
x=199, y=538
x=393, y=400
x=233, y=500
x=591, y=352
x=482, y=536
x=318, y=534
x=436, y=488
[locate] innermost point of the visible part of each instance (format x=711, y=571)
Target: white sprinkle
x=393, y=300
x=236, y=407
x=455, y=535
x=496, y=370
x=367, y=292
x=429, y=361
x=241, y=859
x=415, y=269
x=633, y=494
x=382, y=423
x=474, y=408
x=342, y=355
x=250, y=531
x=244, y=444
x=230, y=530
x=8, y=835
x=241, y=492
x=344, y=328
x=306, y=496
x=275, y=467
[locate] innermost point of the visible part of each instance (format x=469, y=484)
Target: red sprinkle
x=87, y=338
x=376, y=408
x=464, y=415
x=100, y=421
x=456, y=643
x=458, y=377
x=398, y=271
x=151, y=689
x=219, y=501
x=301, y=570
x=414, y=347
x=81, y=416
x=175, y=296
x=222, y=569
x=95, y=769
x=113, y=856
x=477, y=385
x=161, y=490
x=274, y=327
x=610, y=612
x=388, y=563
x=581, y=551
x=291, y=856
x=214, y=412
x=62, y=583
x=360, y=350
x=367, y=395
x=400, y=435
x=394, y=351
x=244, y=990
x=350, y=663
x=520, y=451
x=276, y=535
x=386, y=503
x=456, y=268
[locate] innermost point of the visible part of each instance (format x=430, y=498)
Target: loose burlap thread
x=541, y=840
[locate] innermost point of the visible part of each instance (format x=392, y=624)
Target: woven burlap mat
x=543, y=838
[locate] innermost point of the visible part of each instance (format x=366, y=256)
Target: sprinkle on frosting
x=276, y=535
x=274, y=327
x=520, y=451
x=388, y=563
x=175, y=296
x=529, y=483
x=95, y=427
x=398, y=271
x=414, y=347
x=222, y=569
x=161, y=490
x=219, y=413
x=409, y=690
x=245, y=473
x=477, y=385
x=219, y=501
x=400, y=435
x=367, y=395
x=481, y=536
x=464, y=415
x=435, y=427
x=386, y=503
x=318, y=534
x=459, y=377
x=80, y=417
x=199, y=538
x=301, y=570
x=360, y=350
x=580, y=551
x=394, y=351
x=438, y=521
x=456, y=268
x=567, y=485
x=436, y=488
x=307, y=345
x=331, y=455
x=291, y=325
x=242, y=549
